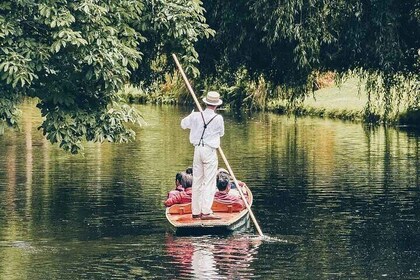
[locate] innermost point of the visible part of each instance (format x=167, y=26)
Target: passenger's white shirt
x=214, y=130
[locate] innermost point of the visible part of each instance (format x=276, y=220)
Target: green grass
x=346, y=97
x=346, y=102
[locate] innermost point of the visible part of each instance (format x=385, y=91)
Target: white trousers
x=204, y=179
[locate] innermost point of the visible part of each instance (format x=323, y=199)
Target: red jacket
x=179, y=198
x=227, y=198
x=178, y=189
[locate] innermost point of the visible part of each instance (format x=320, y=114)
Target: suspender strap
x=204, y=129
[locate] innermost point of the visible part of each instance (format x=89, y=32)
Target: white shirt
x=214, y=130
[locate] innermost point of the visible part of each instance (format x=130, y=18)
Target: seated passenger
x=224, y=194
x=178, y=185
x=233, y=189
x=181, y=196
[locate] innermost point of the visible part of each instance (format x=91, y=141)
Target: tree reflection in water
x=210, y=257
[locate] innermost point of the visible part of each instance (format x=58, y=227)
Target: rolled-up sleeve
x=186, y=122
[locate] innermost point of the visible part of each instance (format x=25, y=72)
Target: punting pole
x=219, y=149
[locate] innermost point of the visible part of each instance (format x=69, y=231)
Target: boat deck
x=232, y=215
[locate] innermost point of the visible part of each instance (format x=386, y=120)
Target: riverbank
x=349, y=102
x=346, y=102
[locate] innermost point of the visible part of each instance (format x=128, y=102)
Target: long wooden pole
x=219, y=149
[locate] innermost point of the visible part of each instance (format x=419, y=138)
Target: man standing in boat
x=206, y=128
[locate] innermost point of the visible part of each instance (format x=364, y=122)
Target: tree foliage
x=289, y=41
x=74, y=56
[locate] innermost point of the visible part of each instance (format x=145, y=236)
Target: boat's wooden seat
x=181, y=209
x=224, y=207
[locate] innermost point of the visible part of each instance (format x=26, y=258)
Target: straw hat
x=213, y=98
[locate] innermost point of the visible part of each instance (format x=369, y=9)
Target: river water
x=336, y=200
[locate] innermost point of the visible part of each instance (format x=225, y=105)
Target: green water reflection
x=343, y=200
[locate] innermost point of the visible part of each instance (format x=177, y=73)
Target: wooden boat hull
x=233, y=218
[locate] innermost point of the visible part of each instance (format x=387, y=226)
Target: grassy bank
x=347, y=101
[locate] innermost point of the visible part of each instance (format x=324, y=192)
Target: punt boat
x=233, y=217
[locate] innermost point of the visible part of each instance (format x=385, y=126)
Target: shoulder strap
x=205, y=126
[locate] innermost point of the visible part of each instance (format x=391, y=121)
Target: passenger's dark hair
x=222, y=181
x=186, y=180
x=189, y=170
x=178, y=177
